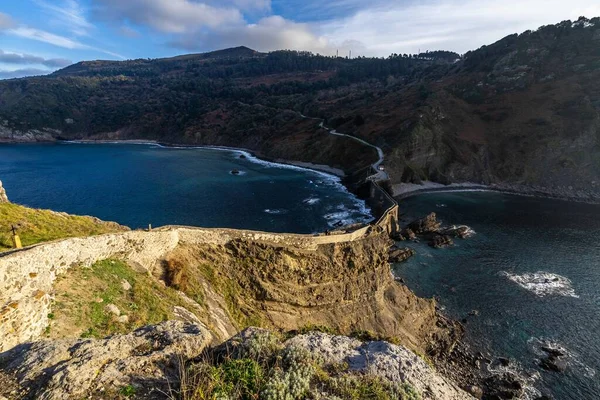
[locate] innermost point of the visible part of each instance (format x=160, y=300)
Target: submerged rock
x=235, y=172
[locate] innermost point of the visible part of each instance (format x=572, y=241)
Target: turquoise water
x=137, y=185
x=532, y=270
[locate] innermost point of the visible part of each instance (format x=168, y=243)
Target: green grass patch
x=83, y=294
x=36, y=226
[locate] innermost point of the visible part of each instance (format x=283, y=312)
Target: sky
x=40, y=36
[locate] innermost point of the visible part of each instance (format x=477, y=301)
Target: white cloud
x=67, y=13
x=56, y=40
x=270, y=33
x=169, y=16
x=449, y=24
x=29, y=59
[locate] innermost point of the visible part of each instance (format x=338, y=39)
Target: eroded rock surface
x=147, y=359
x=388, y=361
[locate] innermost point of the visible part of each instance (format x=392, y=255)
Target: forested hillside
x=523, y=110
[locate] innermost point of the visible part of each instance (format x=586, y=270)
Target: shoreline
x=322, y=168
x=411, y=190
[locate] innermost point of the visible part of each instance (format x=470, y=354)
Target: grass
x=83, y=294
x=262, y=367
x=36, y=226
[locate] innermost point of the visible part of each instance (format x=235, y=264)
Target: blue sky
x=39, y=36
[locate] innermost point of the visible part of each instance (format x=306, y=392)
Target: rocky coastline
x=451, y=356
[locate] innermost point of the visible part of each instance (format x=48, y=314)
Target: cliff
x=232, y=278
x=218, y=280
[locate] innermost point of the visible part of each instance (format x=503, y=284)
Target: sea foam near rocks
x=311, y=201
x=543, y=283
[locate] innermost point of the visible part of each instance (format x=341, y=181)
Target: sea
x=145, y=184
x=531, y=273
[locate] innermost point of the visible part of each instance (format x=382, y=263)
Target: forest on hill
x=523, y=110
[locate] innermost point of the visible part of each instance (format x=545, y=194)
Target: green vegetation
x=263, y=368
x=35, y=226
x=83, y=295
x=127, y=391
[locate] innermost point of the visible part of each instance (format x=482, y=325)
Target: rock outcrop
x=3, y=196
x=385, y=360
x=398, y=255
x=147, y=359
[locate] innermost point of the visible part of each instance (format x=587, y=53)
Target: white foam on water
x=529, y=377
x=311, y=201
x=543, y=283
x=276, y=211
x=572, y=359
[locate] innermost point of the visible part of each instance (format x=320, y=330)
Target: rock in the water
x=235, y=172
x=504, y=386
x=399, y=255
x=428, y=224
x=112, y=309
x=147, y=359
x=554, y=363
x=385, y=360
x=461, y=231
x=3, y=196
x=440, y=241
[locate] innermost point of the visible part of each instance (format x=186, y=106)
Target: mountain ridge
x=521, y=111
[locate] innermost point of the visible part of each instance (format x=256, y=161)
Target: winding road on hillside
x=379, y=175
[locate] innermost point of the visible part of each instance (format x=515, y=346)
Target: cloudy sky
x=39, y=36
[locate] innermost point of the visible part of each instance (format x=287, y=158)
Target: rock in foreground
x=145, y=361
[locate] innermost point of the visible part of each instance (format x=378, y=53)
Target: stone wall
x=27, y=275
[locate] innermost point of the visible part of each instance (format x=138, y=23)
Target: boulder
x=440, y=241
x=112, y=309
x=390, y=362
x=125, y=285
x=428, y=224
x=554, y=363
x=147, y=359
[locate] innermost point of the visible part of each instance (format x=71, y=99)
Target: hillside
x=522, y=111
x=36, y=226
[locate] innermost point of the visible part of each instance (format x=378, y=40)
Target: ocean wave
x=276, y=211
x=543, y=283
